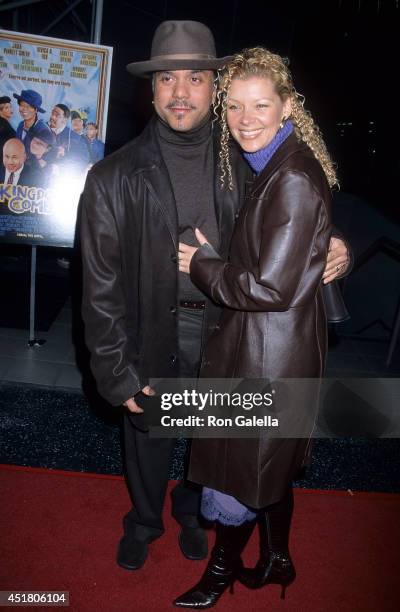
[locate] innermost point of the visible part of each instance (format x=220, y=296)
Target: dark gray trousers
x=148, y=459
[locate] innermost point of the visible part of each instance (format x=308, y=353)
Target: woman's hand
x=337, y=261
x=186, y=252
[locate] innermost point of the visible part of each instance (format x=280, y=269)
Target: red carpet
x=60, y=530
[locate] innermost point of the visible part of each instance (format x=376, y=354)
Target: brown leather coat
x=273, y=325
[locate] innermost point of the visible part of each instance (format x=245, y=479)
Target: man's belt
x=193, y=305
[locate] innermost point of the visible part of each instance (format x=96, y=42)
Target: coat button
x=174, y=258
x=236, y=215
x=173, y=310
x=173, y=358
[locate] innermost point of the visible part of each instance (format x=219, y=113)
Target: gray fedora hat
x=180, y=45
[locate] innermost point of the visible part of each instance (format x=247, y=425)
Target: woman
x=273, y=325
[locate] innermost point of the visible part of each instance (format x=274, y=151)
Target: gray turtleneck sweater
x=189, y=160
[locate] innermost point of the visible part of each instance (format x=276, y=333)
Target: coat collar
x=229, y=201
x=224, y=199
x=288, y=148
x=150, y=162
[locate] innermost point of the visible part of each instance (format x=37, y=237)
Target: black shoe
x=279, y=569
x=222, y=568
x=274, y=565
x=132, y=552
x=193, y=543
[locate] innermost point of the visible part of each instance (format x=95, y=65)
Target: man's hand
x=337, y=260
x=132, y=405
x=186, y=252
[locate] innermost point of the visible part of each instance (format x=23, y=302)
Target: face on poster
x=53, y=113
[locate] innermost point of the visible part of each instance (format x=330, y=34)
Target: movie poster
x=53, y=114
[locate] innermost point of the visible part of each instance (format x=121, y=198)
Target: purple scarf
x=259, y=159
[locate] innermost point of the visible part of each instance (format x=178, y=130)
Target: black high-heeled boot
x=222, y=568
x=274, y=565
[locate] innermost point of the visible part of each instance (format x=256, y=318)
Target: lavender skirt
x=217, y=506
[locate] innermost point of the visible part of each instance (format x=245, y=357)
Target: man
x=41, y=144
x=29, y=104
x=77, y=123
x=69, y=146
x=94, y=145
x=6, y=129
x=39, y=154
x=144, y=319
x=15, y=171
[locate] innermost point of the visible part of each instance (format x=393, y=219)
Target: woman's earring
x=282, y=123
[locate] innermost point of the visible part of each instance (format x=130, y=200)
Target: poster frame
x=105, y=53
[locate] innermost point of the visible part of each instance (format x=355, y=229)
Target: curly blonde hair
x=261, y=62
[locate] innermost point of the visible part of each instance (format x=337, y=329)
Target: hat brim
x=145, y=69
x=19, y=98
